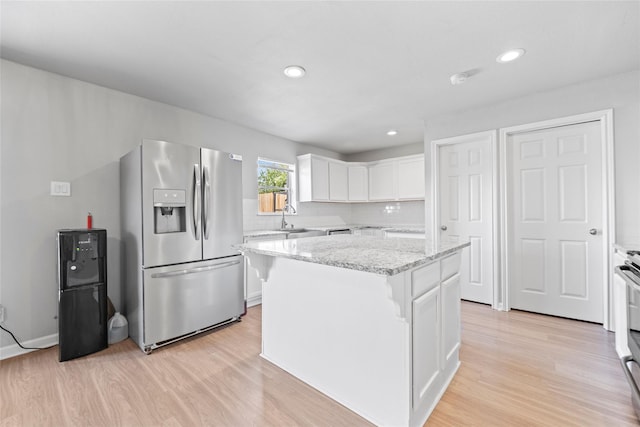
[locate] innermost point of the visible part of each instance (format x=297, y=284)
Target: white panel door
x=466, y=209
x=555, y=202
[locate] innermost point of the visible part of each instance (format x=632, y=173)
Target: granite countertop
x=258, y=233
x=327, y=228
x=387, y=256
x=404, y=229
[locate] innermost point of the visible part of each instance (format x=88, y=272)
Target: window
x=276, y=186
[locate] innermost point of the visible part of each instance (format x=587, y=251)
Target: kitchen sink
x=297, y=233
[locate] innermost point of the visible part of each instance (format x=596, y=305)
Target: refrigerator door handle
x=205, y=204
x=196, y=201
x=194, y=270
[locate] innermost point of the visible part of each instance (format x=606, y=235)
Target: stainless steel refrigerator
x=181, y=212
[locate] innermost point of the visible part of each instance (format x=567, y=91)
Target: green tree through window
x=274, y=185
x=271, y=179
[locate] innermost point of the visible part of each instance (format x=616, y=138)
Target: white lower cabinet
x=435, y=328
x=450, y=294
x=426, y=344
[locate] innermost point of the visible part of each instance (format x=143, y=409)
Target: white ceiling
x=371, y=66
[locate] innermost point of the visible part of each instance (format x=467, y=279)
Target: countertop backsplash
x=388, y=213
x=313, y=214
x=308, y=215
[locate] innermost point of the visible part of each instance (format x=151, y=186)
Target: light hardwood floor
x=518, y=369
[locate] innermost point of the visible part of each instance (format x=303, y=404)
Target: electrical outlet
x=1, y=313
x=60, y=188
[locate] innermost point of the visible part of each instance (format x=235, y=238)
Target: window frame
x=267, y=163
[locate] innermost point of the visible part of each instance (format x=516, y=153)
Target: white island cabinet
x=373, y=323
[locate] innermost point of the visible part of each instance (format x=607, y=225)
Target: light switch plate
x=59, y=188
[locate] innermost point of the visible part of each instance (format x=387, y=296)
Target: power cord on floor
x=18, y=342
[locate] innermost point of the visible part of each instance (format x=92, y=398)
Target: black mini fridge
x=82, y=292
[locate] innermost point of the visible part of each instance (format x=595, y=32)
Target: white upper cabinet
x=338, y=181
x=383, y=180
x=313, y=173
x=322, y=179
x=411, y=178
x=397, y=179
x=358, y=183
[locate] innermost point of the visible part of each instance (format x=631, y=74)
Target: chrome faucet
x=287, y=208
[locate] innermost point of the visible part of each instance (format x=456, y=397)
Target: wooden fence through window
x=271, y=202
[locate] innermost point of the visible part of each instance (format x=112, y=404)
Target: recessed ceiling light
x=510, y=55
x=392, y=132
x=294, y=71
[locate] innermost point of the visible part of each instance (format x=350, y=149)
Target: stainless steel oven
x=630, y=271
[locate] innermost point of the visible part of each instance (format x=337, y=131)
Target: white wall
x=620, y=92
x=56, y=128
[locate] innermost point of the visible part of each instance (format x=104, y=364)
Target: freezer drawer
x=182, y=299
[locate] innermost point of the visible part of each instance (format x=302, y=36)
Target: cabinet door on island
x=426, y=345
x=451, y=319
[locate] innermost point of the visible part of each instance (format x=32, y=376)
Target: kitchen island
x=373, y=323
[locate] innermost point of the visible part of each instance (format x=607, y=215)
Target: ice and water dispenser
x=169, y=211
x=82, y=292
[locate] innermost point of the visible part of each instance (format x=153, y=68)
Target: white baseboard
x=254, y=300
x=15, y=350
